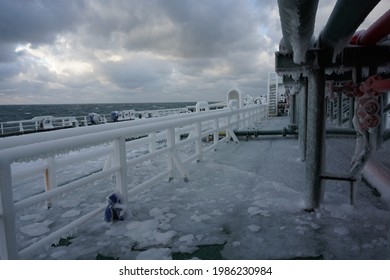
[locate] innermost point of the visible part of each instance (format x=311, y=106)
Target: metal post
x=198, y=141
x=8, y=248
x=339, y=109
x=120, y=160
x=152, y=142
x=303, y=120
x=331, y=111
x=291, y=109
x=315, y=148
x=351, y=111
x=50, y=178
x=216, y=134
x=174, y=162
x=171, y=145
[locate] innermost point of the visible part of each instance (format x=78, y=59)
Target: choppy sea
x=27, y=112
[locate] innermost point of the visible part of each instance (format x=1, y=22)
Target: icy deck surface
x=246, y=197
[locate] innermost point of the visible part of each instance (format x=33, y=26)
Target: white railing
x=158, y=137
x=43, y=123
x=40, y=124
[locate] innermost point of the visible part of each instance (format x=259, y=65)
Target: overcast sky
x=123, y=51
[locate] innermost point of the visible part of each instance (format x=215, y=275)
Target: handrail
x=113, y=149
x=13, y=141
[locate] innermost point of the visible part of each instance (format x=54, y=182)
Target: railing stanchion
x=171, y=145
x=152, y=142
x=216, y=134
x=120, y=160
x=8, y=248
x=198, y=141
x=50, y=177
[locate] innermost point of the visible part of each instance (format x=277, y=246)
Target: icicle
x=339, y=47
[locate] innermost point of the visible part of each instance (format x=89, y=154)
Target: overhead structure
x=344, y=20
x=297, y=20
x=299, y=54
x=375, y=33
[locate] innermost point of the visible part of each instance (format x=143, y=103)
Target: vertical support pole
x=198, y=142
x=174, y=162
x=238, y=119
x=339, y=109
x=8, y=248
x=227, y=132
x=334, y=113
x=216, y=134
x=120, y=160
x=303, y=120
x=315, y=149
x=50, y=178
x=152, y=142
x=291, y=109
x=296, y=108
x=351, y=111
x=171, y=145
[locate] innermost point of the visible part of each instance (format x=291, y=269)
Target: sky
x=124, y=51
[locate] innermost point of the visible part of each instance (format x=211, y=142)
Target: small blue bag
x=115, y=210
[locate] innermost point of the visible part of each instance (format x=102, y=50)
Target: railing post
x=198, y=141
x=351, y=111
x=229, y=129
x=174, y=162
x=238, y=118
x=227, y=132
x=50, y=177
x=8, y=248
x=216, y=133
x=152, y=142
x=171, y=145
x=120, y=160
x=339, y=109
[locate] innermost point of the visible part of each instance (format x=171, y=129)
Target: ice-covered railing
x=160, y=137
x=39, y=124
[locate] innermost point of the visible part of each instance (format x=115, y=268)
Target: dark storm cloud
x=37, y=21
x=174, y=50
x=209, y=29
x=179, y=47
x=193, y=28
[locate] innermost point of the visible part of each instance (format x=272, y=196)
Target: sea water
x=27, y=112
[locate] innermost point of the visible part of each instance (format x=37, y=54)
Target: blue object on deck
x=115, y=210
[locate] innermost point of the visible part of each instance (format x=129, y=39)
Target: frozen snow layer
x=245, y=202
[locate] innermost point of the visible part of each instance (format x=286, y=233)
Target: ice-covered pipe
x=377, y=31
x=379, y=177
x=297, y=19
x=345, y=18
